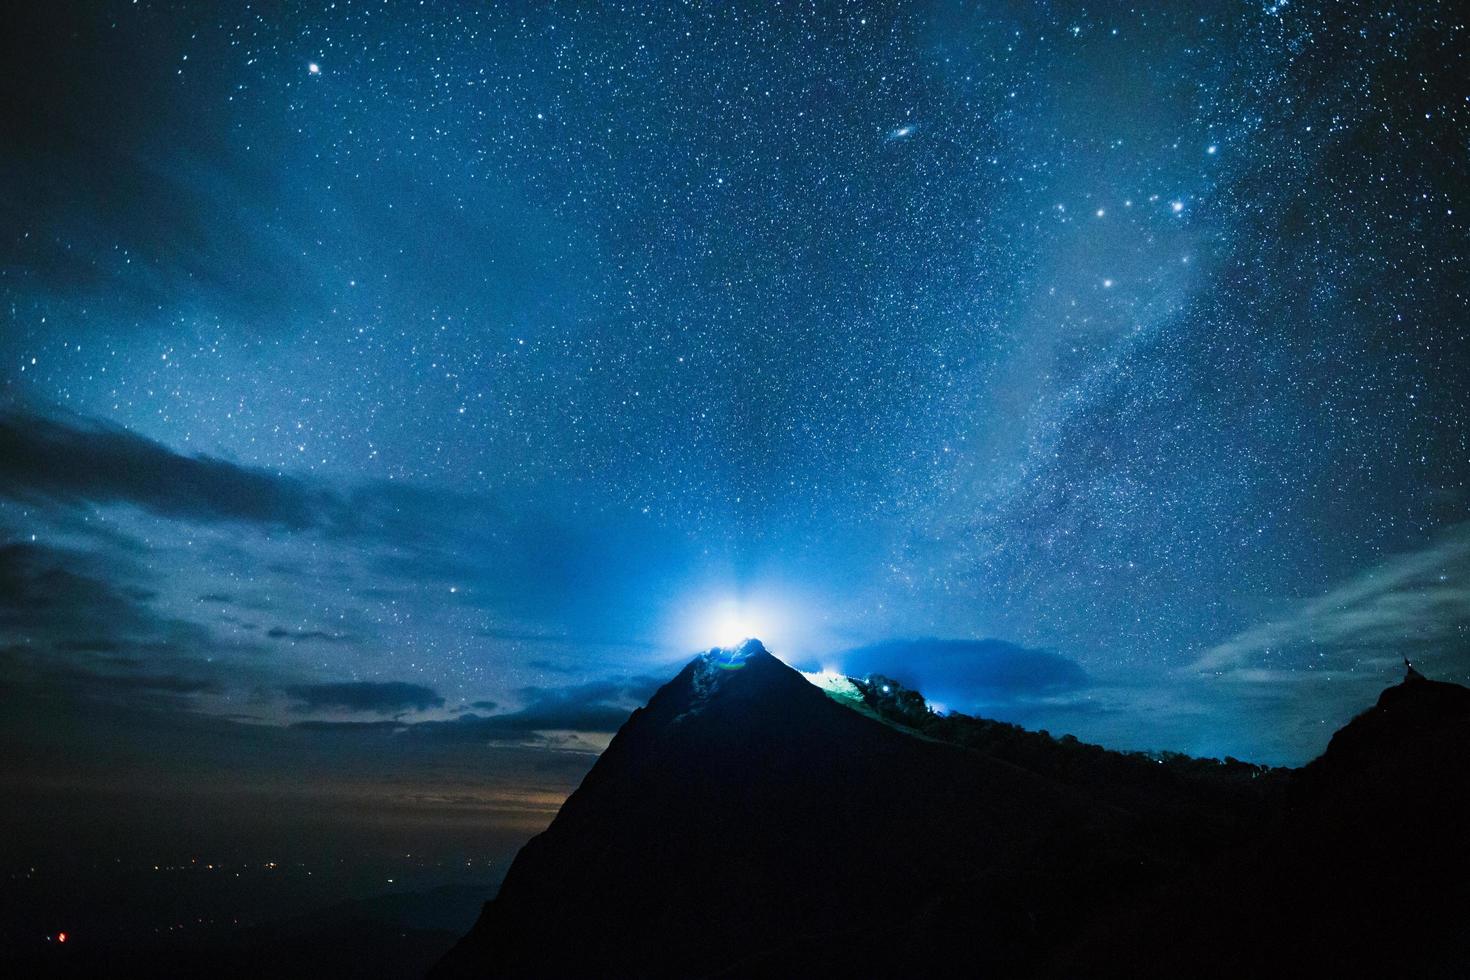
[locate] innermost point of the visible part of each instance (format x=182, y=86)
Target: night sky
x=394, y=394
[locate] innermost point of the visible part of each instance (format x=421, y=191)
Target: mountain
x=1363, y=871
x=747, y=822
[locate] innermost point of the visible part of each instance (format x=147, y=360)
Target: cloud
x=387, y=697
x=350, y=727
x=968, y=671
x=110, y=679
x=539, y=578
x=281, y=633
x=597, y=707
x=69, y=459
x=1418, y=601
x=75, y=628
x=95, y=645
x=77, y=600
x=166, y=683
x=142, y=569
x=550, y=638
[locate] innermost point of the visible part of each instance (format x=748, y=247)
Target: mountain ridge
x=745, y=822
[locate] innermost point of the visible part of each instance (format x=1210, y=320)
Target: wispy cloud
x=512, y=576
x=596, y=708
x=380, y=697
x=1413, y=602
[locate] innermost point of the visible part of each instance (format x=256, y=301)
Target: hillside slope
x=746, y=823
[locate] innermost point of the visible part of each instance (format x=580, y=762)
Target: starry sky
x=393, y=394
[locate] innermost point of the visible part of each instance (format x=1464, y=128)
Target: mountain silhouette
x=749, y=823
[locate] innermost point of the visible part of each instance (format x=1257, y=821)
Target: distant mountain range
x=748, y=822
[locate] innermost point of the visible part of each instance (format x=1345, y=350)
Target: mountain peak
x=1417, y=718
x=735, y=657
x=744, y=672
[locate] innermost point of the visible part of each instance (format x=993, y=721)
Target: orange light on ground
x=61, y=937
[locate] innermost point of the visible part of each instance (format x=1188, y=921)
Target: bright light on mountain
x=733, y=620
x=791, y=622
x=724, y=617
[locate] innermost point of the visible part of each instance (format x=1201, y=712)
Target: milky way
x=476, y=351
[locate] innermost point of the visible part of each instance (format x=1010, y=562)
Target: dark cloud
x=386, y=697
x=110, y=679
x=76, y=630
x=167, y=683
x=598, y=707
x=72, y=597
x=969, y=671
x=35, y=581
x=72, y=460
x=281, y=633
x=98, y=645
x=350, y=727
